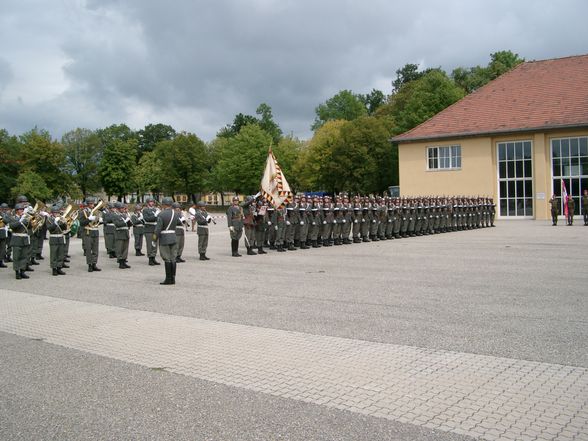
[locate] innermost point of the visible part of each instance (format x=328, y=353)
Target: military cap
x=167, y=201
x=201, y=204
x=55, y=208
x=149, y=199
x=118, y=205
x=111, y=205
x=22, y=198
x=4, y=205
x=90, y=200
x=19, y=206
x=138, y=206
x=176, y=205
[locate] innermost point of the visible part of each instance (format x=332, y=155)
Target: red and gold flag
x=274, y=186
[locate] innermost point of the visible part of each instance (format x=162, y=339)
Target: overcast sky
x=195, y=64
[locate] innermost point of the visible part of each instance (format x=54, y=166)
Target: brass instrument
x=37, y=220
x=70, y=214
x=98, y=207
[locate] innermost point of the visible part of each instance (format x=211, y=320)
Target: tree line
x=350, y=148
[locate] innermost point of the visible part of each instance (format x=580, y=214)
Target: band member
x=138, y=229
x=56, y=225
x=122, y=223
x=89, y=223
x=202, y=219
x=150, y=213
x=3, y=234
x=165, y=232
x=180, y=234
x=109, y=230
x=20, y=241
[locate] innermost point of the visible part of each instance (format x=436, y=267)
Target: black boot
x=39, y=257
x=34, y=262
x=95, y=268
x=250, y=252
x=112, y=254
x=55, y=273
x=272, y=246
x=90, y=268
x=235, y=248
x=203, y=257
x=2, y=265
x=23, y=275
x=18, y=275
x=314, y=244
x=281, y=248
x=291, y=247
x=260, y=251
x=28, y=268
x=179, y=260
x=60, y=272
x=173, y=272
x=64, y=265
x=138, y=252
x=8, y=259
x=168, y=274
x=122, y=264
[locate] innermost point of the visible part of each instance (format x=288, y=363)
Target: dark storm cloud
x=195, y=64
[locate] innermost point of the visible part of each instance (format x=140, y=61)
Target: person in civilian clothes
x=165, y=233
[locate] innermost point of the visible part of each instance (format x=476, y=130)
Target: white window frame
x=525, y=178
x=444, y=157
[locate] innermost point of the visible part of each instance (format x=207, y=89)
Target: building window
x=515, y=178
x=444, y=158
x=569, y=163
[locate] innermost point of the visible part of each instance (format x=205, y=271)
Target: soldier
x=585, y=207
x=270, y=232
x=56, y=225
x=138, y=229
x=202, y=219
x=165, y=233
x=180, y=235
x=338, y=221
x=249, y=224
x=303, y=217
x=20, y=240
x=108, y=229
x=356, y=219
x=3, y=234
x=150, y=213
x=260, y=224
x=292, y=221
x=315, y=222
x=347, y=220
x=328, y=221
x=279, y=221
x=122, y=222
x=374, y=220
x=571, y=209
x=90, y=222
x=235, y=218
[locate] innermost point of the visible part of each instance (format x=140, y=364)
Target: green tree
x=10, y=163
x=46, y=158
x=152, y=134
x=315, y=167
x=239, y=122
x=286, y=153
x=242, y=159
x=420, y=99
x=117, y=166
x=373, y=100
x=147, y=175
x=345, y=105
x=32, y=185
x=82, y=155
x=184, y=164
x=409, y=72
x=477, y=76
x=267, y=123
x=216, y=181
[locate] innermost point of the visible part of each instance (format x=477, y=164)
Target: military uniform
x=108, y=229
x=138, y=229
x=315, y=220
x=571, y=209
x=235, y=224
x=56, y=226
x=279, y=221
x=249, y=207
x=180, y=232
x=202, y=219
x=150, y=214
x=260, y=225
x=585, y=207
x=20, y=241
x=122, y=223
x=165, y=233
x=303, y=218
x=3, y=235
x=90, y=235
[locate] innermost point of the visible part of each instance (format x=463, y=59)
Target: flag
x=564, y=197
x=274, y=187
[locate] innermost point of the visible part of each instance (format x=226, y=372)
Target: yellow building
x=516, y=139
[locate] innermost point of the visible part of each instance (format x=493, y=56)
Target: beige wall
x=478, y=174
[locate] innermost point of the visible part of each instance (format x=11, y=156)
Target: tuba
x=98, y=207
x=37, y=220
x=70, y=214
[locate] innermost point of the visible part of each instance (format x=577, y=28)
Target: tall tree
x=152, y=134
x=344, y=105
x=409, y=72
x=10, y=163
x=286, y=153
x=46, y=158
x=420, y=99
x=117, y=166
x=477, y=76
x=267, y=123
x=184, y=164
x=82, y=155
x=147, y=174
x=243, y=158
x=373, y=100
x=239, y=122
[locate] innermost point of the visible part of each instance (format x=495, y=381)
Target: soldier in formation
x=165, y=233
x=202, y=219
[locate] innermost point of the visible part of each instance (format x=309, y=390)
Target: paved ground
x=475, y=334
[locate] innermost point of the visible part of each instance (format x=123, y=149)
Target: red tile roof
x=534, y=95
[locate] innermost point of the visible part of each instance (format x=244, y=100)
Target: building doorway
x=569, y=163
x=515, y=179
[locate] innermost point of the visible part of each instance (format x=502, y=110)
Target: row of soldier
x=316, y=221
x=21, y=240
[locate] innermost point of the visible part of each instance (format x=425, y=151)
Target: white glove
x=276, y=228
x=127, y=219
x=182, y=219
x=208, y=218
x=363, y=220
x=29, y=209
x=288, y=223
x=92, y=218
x=355, y=221
x=44, y=213
x=269, y=222
x=231, y=229
x=314, y=223
x=344, y=221
x=324, y=222
x=157, y=211
x=301, y=222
